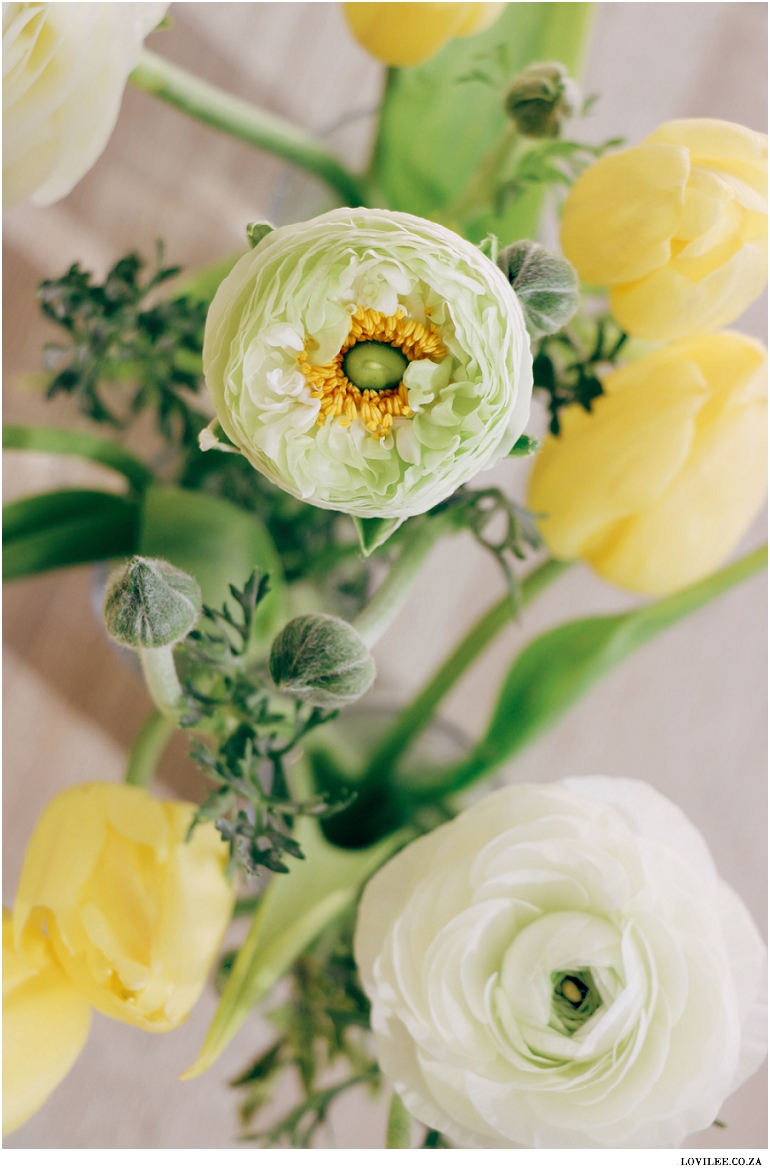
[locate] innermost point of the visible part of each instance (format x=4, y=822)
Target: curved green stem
x=412, y=719
x=148, y=748
x=162, y=681
x=377, y=615
x=243, y=121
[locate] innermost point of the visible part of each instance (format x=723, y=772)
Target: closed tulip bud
x=321, y=660
x=541, y=99
x=408, y=34
x=545, y=284
x=676, y=227
x=45, y=1025
x=657, y=483
x=134, y=913
x=150, y=604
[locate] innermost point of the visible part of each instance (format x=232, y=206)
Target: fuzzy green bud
x=545, y=284
x=321, y=660
x=149, y=603
x=541, y=99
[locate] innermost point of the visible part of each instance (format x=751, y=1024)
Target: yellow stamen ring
x=341, y=399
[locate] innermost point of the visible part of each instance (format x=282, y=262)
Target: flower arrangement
x=510, y=963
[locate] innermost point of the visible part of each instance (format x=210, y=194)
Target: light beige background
x=686, y=713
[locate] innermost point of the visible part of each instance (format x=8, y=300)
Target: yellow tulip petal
x=45, y=1026
x=405, y=34
x=480, y=18
x=617, y=459
x=711, y=139
x=669, y=304
x=622, y=213
x=690, y=531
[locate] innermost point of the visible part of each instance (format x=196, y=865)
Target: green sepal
x=258, y=230
x=525, y=446
x=83, y=444
x=215, y=541
x=66, y=528
x=373, y=532
x=293, y=911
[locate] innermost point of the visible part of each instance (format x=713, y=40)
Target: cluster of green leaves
x=324, y=1020
x=253, y=730
x=117, y=337
x=567, y=364
x=552, y=163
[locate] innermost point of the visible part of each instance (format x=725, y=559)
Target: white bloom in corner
x=368, y=361
x=561, y=967
x=64, y=71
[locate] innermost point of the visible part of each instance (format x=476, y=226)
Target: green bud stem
x=162, y=681
x=379, y=613
x=243, y=121
x=412, y=719
x=148, y=748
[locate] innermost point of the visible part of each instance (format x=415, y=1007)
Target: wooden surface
x=686, y=714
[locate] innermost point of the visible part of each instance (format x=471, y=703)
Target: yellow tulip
x=408, y=34
x=658, y=482
x=45, y=1026
x=135, y=915
x=676, y=227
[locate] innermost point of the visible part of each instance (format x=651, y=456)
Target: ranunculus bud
x=545, y=284
x=149, y=603
x=541, y=98
x=321, y=660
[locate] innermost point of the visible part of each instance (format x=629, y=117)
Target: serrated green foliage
x=119, y=337
x=324, y=1019
x=566, y=364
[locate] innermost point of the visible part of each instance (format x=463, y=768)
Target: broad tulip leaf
x=437, y=128
x=217, y=542
x=65, y=528
x=558, y=667
x=84, y=444
x=293, y=911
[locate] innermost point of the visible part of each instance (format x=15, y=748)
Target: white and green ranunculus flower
x=561, y=967
x=368, y=361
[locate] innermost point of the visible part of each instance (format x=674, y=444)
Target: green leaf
x=373, y=532
x=65, y=528
x=525, y=446
x=436, y=128
x=258, y=230
x=292, y=912
x=399, y=1134
x=217, y=542
x=84, y=444
x=558, y=667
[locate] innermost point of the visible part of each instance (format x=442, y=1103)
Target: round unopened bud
x=149, y=603
x=321, y=660
x=541, y=99
x=545, y=284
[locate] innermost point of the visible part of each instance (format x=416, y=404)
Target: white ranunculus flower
x=64, y=71
x=368, y=361
x=561, y=967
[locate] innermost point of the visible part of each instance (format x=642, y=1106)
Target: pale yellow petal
x=45, y=1026
x=622, y=213
x=695, y=525
x=669, y=304
x=480, y=18
x=405, y=34
x=620, y=457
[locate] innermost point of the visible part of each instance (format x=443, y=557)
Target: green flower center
x=575, y=998
x=374, y=366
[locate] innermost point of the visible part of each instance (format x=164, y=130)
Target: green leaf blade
x=65, y=442
x=66, y=528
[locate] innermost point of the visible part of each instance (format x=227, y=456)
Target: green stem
x=162, y=681
x=377, y=616
x=243, y=121
x=648, y=622
x=148, y=748
x=419, y=712
x=399, y=1134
